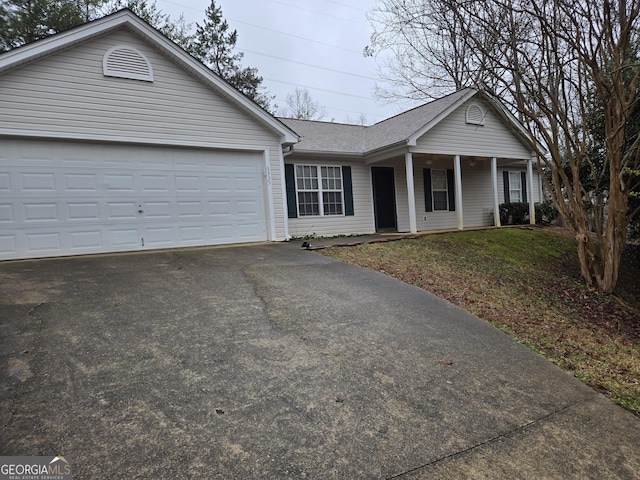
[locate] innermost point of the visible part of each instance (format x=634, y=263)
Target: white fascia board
x=413, y=139
x=49, y=45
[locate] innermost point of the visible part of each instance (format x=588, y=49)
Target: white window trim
x=433, y=190
x=319, y=190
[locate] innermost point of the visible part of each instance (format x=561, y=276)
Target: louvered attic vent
x=123, y=61
x=474, y=115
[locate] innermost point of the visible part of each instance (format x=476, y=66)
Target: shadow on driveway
x=271, y=362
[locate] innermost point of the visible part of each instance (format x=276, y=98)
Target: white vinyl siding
x=67, y=95
x=454, y=136
x=361, y=222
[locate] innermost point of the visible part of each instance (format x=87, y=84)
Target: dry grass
x=527, y=283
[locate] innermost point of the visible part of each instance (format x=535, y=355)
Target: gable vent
x=123, y=61
x=474, y=115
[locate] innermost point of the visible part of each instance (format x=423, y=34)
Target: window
x=319, y=190
x=439, y=190
x=515, y=187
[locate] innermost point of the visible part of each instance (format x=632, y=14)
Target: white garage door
x=68, y=198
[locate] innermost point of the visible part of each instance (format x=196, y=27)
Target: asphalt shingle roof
x=327, y=137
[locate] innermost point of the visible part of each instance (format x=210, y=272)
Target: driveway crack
x=490, y=440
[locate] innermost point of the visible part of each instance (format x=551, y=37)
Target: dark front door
x=384, y=198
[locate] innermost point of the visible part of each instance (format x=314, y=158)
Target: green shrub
x=517, y=213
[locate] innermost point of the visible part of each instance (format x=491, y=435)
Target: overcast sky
x=313, y=44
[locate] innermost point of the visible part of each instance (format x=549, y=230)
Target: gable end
x=124, y=61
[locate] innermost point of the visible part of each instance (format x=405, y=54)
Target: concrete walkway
x=270, y=361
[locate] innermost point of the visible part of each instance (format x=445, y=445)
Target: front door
x=384, y=198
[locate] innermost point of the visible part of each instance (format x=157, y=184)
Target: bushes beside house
x=517, y=213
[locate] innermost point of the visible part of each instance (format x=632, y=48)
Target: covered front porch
x=444, y=192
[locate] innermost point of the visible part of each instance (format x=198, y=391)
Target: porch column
x=458, y=180
x=496, y=198
x=408, y=160
x=532, y=206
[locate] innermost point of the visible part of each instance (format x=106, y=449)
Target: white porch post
x=532, y=207
x=413, y=224
x=458, y=190
x=496, y=198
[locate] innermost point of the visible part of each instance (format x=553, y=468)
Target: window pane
x=306, y=177
x=308, y=204
x=440, y=200
x=439, y=180
x=332, y=203
x=515, y=180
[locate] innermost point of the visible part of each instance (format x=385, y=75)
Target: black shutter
x=348, y=191
x=524, y=186
x=451, y=190
x=505, y=176
x=290, y=184
x=428, y=198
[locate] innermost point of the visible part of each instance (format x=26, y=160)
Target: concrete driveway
x=272, y=362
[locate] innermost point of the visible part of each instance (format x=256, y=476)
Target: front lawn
x=527, y=283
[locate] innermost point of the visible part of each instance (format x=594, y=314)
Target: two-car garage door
x=64, y=198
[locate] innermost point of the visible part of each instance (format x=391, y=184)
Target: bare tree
x=423, y=48
x=359, y=120
x=300, y=105
x=553, y=62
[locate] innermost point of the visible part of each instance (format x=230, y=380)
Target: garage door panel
x=119, y=183
x=123, y=210
x=83, y=211
x=192, y=234
x=61, y=198
x=6, y=213
x=123, y=238
x=85, y=239
x=190, y=209
x=44, y=242
x=38, y=212
x=8, y=244
x=155, y=183
x=160, y=236
x=5, y=182
x=80, y=182
x=188, y=184
x=38, y=182
x=157, y=210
